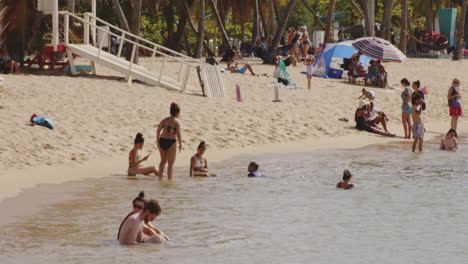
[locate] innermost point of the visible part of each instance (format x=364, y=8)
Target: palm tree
x=369, y=14
x=279, y=31
x=429, y=17
x=386, y=27
x=457, y=54
x=328, y=27
x=404, y=21
x=22, y=27
x=201, y=30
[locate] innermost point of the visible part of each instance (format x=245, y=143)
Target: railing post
x=67, y=28
x=86, y=29
x=180, y=71
x=132, y=58
x=122, y=40
x=100, y=43
x=162, y=68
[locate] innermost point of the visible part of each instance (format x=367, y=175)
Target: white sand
x=98, y=117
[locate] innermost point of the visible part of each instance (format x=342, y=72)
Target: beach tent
x=328, y=63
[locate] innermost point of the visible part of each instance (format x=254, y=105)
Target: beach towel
x=42, y=121
x=282, y=75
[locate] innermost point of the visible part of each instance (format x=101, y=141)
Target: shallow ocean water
x=407, y=208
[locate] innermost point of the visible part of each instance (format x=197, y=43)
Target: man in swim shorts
x=131, y=231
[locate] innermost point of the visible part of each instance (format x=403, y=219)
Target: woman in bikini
x=167, y=135
x=406, y=107
x=134, y=160
x=199, y=164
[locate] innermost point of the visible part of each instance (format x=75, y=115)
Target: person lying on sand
x=134, y=159
x=234, y=68
x=131, y=231
x=361, y=124
x=450, y=142
x=346, y=183
x=253, y=170
x=199, y=164
x=138, y=204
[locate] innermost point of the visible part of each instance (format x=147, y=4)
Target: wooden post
x=86, y=29
x=55, y=25
x=93, y=21
x=67, y=26
x=71, y=62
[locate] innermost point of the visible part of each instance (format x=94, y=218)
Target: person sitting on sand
x=138, y=204
x=253, y=170
x=450, y=142
x=361, y=124
x=10, y=65
x=346, y=183
x=372, y=72
x=199, y=164
x=382, y=74
x=131, y=232
x=134, y=159
x=369, y=95
x=376, y=117
x=234, y=68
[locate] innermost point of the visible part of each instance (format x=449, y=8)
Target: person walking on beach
x=406, y=107
x=418, y=126
x=449, y=142
x=199, y=164
x=131, y=230
x=309, y=62
x=134, y=160
x=454, y=103
x=346, y=183
x=167, y=135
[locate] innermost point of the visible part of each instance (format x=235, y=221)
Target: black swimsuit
x=166, y=143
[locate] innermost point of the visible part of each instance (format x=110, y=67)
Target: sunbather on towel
x=234, y=68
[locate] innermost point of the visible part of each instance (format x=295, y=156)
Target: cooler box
x=335, y=73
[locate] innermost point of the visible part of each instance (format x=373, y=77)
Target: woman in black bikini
x=167, y=135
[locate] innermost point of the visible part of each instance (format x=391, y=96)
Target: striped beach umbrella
x=379, y=49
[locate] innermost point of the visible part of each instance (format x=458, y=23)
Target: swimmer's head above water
x=253, y=166
x=347, y=176
x=139, y=202
x=152, y=210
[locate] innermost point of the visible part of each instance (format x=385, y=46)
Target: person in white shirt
x=376, y=117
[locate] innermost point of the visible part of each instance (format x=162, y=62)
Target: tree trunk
x=329, y=26
x=178, y=36
x=120, y=15
x=264, y=28
x=224, y=35
x=279, y=32
x=410, y=34
x=356, y=8
x=314, y=14
x=256, y=24
x=71, y=6
x=458, y=52
x=429, y=18
x=387, y=20
x=201, y=30
x=404, y=21
x=369, y=17
x=192, y=26
x=242, y=24
x=271, y=18
x=168, y=12
x=135, y=26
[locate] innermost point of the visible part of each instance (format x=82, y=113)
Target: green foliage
x=152, y=28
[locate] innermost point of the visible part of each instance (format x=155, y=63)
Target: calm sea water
x=408, y=208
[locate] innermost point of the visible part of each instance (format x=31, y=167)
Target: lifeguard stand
x=52, y=7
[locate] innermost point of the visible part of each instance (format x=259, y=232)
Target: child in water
x=253, y=170
x=346, y=183
x=418, y=126
x=450, y=142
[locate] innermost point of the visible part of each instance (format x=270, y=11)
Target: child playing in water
x=309, y=61
x=418, y=126
x=450, y=142
x=346, y=183
x=253, y=170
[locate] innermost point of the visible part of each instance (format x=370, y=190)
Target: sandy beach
x=97, y=118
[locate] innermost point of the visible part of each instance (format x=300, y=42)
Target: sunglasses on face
x=138, y=206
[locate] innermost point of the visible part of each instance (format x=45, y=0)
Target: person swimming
x=449, y=142
x=199, y=164
x=134, y=160
x=346, y=183
x=253, y=170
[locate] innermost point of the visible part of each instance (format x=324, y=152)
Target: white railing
x=92, y=26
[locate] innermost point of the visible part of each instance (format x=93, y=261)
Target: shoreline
x=22, y=190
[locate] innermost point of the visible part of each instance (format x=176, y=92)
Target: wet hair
x=347, y=175
x=454, y=131
x=201, y=145
x=254, y=164
x=418, y=83
x=405, y=81
x=139, y=138
x=153, y=207
x=175, y=109
x=140, y=197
